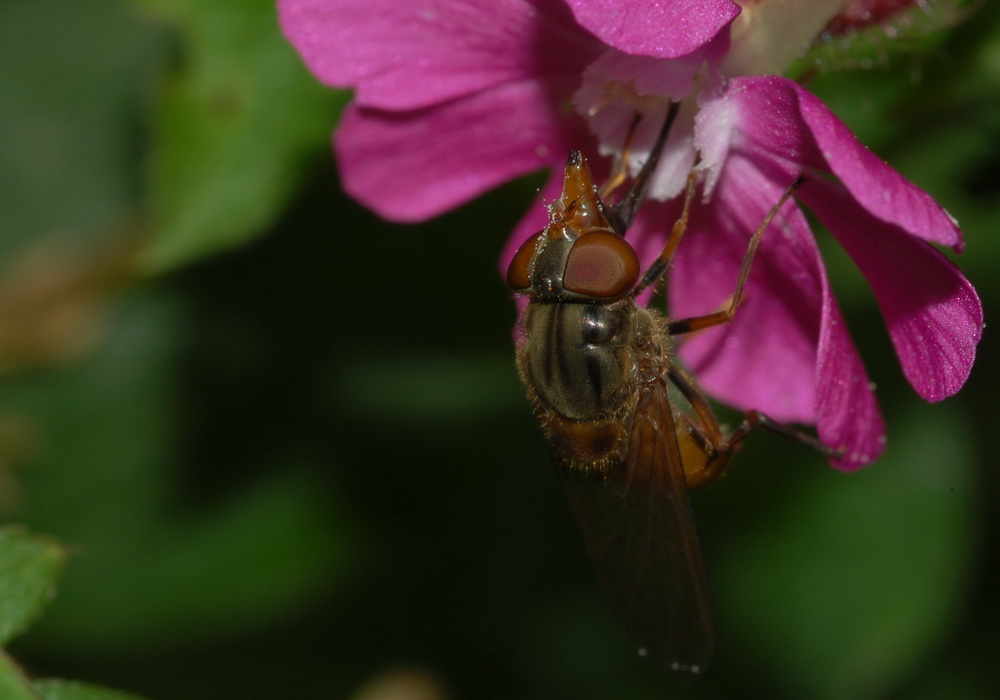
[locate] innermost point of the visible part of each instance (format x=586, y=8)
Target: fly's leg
x=697, y=323
x=706, y=431
x=619, y=171
x=622, y=214
x=717, y=447
x=660, y=265
x=751, y=419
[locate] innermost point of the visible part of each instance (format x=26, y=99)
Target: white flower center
x=765, y=39
x=769, y=34
x=617, y=88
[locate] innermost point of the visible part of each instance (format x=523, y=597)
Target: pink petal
x=775, y=120
x=878, y=188
x=787, y=352
x=934, y=316
x=766, y=358
x=847, y=413
x=409, y=166
x=407, y=55
x=665, y=29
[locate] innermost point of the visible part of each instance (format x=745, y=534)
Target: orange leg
x=619, y=171
x=716, y=447
x=697, y=323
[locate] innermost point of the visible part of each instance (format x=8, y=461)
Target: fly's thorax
x=653, y=346
x=578, y=357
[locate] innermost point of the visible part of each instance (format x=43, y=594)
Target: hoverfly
x=597, y=368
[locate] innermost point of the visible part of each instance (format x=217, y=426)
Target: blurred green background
x=285, y=445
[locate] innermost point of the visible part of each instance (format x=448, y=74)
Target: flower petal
x=665, y=29
x=769, y=36
x=617, y=86
x=934, y=316
x=407, y=55
x=878, y=188
x=787, y=351
x=766, y=358
x=410, y=166
x=847, y=413
x=776, y=120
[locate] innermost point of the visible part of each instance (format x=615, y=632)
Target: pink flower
x=453, y=98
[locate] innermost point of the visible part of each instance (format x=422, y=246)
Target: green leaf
x=68, y=118
x=57, y=689
x=29, y=566
x=848, y=583
x=232, y=130
x=13, y=683
x=106, y=429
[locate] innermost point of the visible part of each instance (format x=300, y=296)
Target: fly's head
x=579, y=256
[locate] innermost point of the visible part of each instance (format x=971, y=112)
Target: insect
x=597, y=368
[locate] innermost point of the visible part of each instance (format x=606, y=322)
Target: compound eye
x=601, y=265
x=519, y=272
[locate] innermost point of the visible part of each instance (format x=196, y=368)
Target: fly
x=597, y=368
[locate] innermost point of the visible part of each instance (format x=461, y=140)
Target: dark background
x=291, y=457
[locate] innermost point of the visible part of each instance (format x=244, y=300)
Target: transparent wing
x=639, y=532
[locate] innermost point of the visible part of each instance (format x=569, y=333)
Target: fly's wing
x=637, y=525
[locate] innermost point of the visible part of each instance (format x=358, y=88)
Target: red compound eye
x=601, y=265
x=519, y=271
